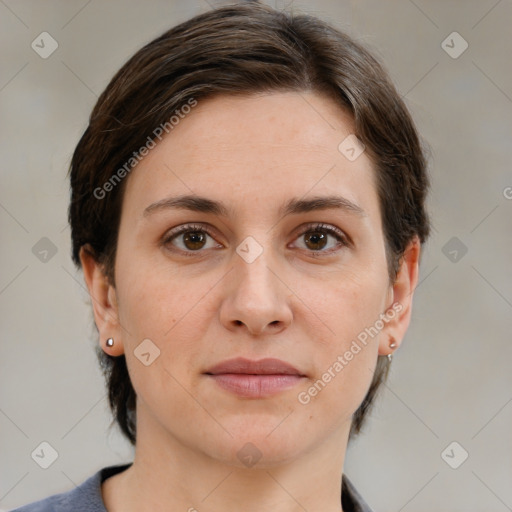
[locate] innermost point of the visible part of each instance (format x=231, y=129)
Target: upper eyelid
x=178, y=230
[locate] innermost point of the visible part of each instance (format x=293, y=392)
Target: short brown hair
x=242, y=49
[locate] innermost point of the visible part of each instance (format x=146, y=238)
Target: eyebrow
x=293, y=206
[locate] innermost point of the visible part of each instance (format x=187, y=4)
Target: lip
x=268, y=366
x=255, y=379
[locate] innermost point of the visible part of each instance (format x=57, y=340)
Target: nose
x=256, y=298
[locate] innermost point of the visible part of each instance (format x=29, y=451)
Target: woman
x=248, y=211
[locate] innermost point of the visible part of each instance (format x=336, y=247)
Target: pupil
x=316, y=238
x=195, y=238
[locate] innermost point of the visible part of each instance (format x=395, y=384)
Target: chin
x=259, y=446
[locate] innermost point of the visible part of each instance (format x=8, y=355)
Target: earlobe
x=104, y=301
x=402, y=295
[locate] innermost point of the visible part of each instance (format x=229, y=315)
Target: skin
x=253, y=153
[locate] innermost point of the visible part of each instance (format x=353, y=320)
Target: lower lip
x=255, y=386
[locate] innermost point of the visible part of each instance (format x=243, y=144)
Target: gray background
x=451, y=379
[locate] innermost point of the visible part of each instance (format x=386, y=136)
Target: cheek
x=348, y=304
x=347, y=355
x=344, y=374
x=169, y=310
x=152, y=301
x=165, y=312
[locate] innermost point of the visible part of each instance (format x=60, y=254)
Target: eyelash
x=343, y=240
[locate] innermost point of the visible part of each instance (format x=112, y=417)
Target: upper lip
x=268, y=366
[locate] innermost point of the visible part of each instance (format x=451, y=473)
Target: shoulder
x=86, y=497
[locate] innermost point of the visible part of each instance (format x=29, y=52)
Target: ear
x=401, y=293
x=104, y=302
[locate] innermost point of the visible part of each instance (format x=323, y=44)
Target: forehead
x=304, y=120
x=266, y=147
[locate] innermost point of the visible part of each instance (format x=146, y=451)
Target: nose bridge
x=257, y=296
x=254, y=262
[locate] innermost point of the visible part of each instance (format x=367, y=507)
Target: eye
x=192, y=238
x=316, y=238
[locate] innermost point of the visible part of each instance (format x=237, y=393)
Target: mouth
x=255, y=379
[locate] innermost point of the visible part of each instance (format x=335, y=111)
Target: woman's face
x=256, y=279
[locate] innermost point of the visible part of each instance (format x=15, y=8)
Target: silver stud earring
x=390, y=356
x=110, y=342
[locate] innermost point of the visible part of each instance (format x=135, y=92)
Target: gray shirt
x=87, y=496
